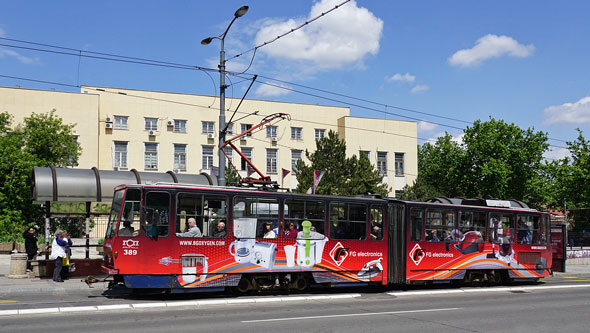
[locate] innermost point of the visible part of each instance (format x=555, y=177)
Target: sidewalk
x=45, y=285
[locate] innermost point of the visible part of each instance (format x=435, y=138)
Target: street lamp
x=239, y=13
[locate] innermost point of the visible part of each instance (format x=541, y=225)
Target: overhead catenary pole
x=221, y=173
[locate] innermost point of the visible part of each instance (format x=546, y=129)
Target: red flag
x=250, y=171
x=285, y=173
x=317, y=176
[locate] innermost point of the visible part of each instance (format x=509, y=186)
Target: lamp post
x=239, y=13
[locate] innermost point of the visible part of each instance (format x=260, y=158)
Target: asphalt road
x=558, y=304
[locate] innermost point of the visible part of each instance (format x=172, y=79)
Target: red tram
x=186, y=238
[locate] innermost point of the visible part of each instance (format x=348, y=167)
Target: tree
x=42, y=140
x=343, y=176
x=495, y=159
x=231, y=176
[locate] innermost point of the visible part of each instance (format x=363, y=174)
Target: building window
x=295, y=156
x=295, y=133
x=382, y=163
x=271, y=161
x=271, y=131
x=366, y=153
x=151, y=156
x=230, y=129
x=320, y=133
x=151, y=124
x=207, y=157
x=121, y=122
x=208, y=127
x=179, y=158
x=180, y=126
x=120, y=158
x=247, y=152
x=229, y=153
x=399, y=164
x=245, y=127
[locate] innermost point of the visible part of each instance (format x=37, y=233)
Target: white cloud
x=577, y=112
x=339, y=39
x=456, y=137
x=420, y=88
x=556, y=154
x=490, y=46
x=265, y=90
x=401, y=77
x=424, y=126
x=23, y=59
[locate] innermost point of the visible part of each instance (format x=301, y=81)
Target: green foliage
x=231, y=176
x=495, y=159
x=343, y=176
x=42, y=140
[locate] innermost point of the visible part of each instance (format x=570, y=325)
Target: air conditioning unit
x=210, y=136
x=170, y=123
x=243, y=140
x=152, y=133
x=108, y=125
x=108, y=119
x=273, y=139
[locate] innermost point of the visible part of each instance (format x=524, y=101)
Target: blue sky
x=520, y=61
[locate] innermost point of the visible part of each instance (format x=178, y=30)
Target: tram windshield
x=115, y=210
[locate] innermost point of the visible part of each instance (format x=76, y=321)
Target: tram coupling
x=91, y=280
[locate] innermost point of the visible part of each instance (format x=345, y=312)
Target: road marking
x=148, y=305
x=6, y=301
x=486, y=290
x=351, y=315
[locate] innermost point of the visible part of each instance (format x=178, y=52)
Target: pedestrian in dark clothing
x=30, y=246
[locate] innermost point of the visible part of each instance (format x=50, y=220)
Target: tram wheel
x=301, y=283
x=244, y=285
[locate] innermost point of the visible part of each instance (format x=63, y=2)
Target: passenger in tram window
x=193, y=230
x=127, y=230
x=292, y=232
x=341, y=230
x=268, y=232
x=523, y=233
x=376, y=233
x=434, y=236
x=220, y=231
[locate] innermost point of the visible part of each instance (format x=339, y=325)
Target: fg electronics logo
x=339, y=253
x=130, y=244
x=417, y=254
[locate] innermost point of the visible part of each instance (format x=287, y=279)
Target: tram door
x=396, y=243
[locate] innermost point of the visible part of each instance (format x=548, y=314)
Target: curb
x=138, y=306
x=490, y=290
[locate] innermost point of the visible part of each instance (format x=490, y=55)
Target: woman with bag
x=30, y=246
x=58, y=253
x=67, y=261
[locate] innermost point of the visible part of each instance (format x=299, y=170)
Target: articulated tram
x=250, y=239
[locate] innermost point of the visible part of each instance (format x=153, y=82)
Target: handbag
x=65, y=261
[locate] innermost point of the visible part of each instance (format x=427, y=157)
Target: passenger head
x=312, y=228
x=192, y=222
x=220, y=226
x=127, y=224
x=58, y=233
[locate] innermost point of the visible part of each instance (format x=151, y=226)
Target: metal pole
x=47, y=217
x=87, y=229
x=221, y=176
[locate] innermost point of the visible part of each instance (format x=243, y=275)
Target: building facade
x=124, y=129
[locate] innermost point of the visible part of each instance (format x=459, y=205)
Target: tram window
x=208, y=212
x=115, y=210
x=251, y=216
x=416, y=219
x=130, y=218
x=528, y=229
x=544, y=235
x=157, y=214
x=348, y=221
x=376, y=223
x=297, y=211
x=501, y=228
x=470, y=222
x=440, y=225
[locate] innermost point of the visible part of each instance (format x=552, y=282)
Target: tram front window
x=115, y=210
x=157, y=214
x=130, y=218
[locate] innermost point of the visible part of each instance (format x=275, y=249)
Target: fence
x=578, y=239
